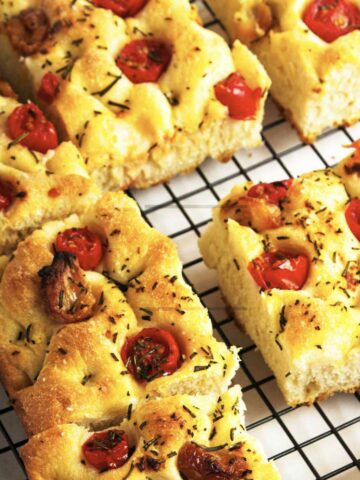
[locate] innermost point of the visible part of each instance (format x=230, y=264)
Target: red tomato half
x=150, y=354
x=123, y=8
x=200, y=463
x=144, y=60
x=82, y=243
x=29, y=122
x=352, y=215
x=241, y=100
x=280, y=270
x=49, y=87
x=330, y=19
x=107, y=450
x=271, y=192
x=7, y=194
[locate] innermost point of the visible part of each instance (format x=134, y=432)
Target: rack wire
x=318, y=442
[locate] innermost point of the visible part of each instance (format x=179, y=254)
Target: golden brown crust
x=247, y=20
x=295, y=330
x=47, y=187
x=308, y=75
x=138, y=134
x=75, y=373
x=159, y=430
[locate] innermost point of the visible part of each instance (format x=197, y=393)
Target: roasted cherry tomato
x=144, y=60
x=150, y=354
x=352, y=215
x=107, y=450
x=28, y=31
x=240, y=99
x=199, y=463
x=66, y=290
x=29, y=124
x=271, y=192
x=82, y=243
x=123, y=8
x=280, y=270
x=330, y=19
x=7, y=194
x=49, y=88
x=252, y=212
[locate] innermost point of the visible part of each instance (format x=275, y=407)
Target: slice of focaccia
x=95, y=315
x=192, y=437
x=143, y=98
x=310, y=49
x=288, y=256
x=39, y=181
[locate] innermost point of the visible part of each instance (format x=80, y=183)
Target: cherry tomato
x=123, y=8
x=7, y=194
x=352, y=215
x=82, y=243
x=144, y=60
x=150, y=354
x=199, y=463
x=49, y=88
x=29, y=122
x=280, y=270
x=330, y=19
x=107, y=450
x=65, y=288
x=240, y=99
x=271, y=192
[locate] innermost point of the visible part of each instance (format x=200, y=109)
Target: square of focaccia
x=316, y=83
x=307, y=325
x=192, y=437
x=37, y=187
x=135, y=134
x=64, y=329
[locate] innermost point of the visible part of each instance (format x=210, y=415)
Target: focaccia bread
x=191, y=437
x=288, y=256
x=35, y=186
x=310, y=49
x=134, y=126
x=83, y=337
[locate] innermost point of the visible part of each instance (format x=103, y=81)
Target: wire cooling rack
x=318, y=442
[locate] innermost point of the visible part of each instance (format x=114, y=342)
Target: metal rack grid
x=318, y=442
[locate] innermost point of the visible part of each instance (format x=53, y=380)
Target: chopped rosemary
x=106, y=89
x=18, y=139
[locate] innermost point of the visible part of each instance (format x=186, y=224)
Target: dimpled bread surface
x=158, y=430
x=47, y=186
x=309, y=337
x=315, y=83
x=137, y=134
x=75, y=374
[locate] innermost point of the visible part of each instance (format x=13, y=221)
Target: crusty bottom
x=322, y=396
x=309, y=139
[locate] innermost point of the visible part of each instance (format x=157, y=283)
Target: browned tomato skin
x=68, y=298
x=6, y=90
x=252, y=212
x=28, y=31
x=198, y=463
